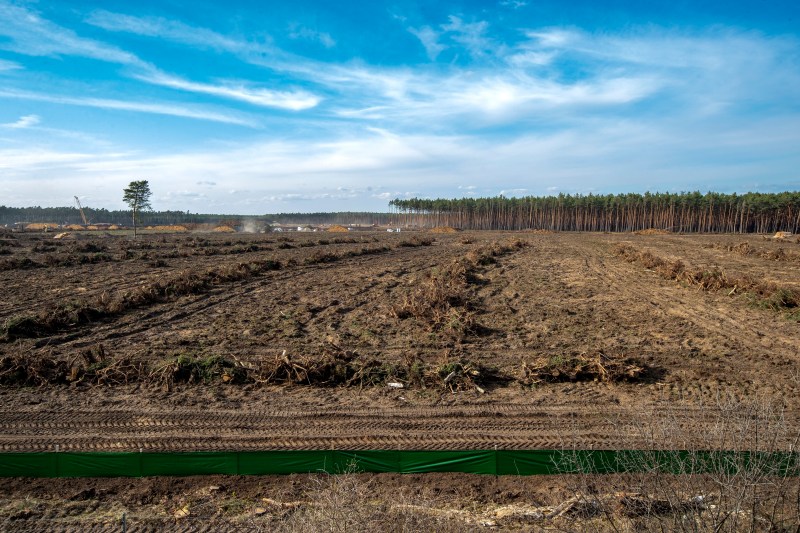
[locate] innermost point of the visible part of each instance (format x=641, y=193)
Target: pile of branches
x=442, y=299
x=462, y=375
x=582, y=367
x=331, y=369
x=23, y=369
x=334, y=367
x=746, y=249
x=94, y=366
x=770, y=294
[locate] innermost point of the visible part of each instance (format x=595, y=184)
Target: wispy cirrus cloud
x=291, y=100
x=309, y=34
x=6, y=65
x=143, y=107
x=430, y=40
x=173, y=30
x=24, y=122
x=29, y=34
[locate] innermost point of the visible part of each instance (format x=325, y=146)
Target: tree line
x=71, y=215
x=678, y=212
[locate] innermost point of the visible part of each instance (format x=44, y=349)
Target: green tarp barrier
x=492, y=462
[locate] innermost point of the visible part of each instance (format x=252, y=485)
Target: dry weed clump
x=444, y=298
x=764, y=293
x=416, y=241
x=582, y=367
x=738, y=474
x=346, y=502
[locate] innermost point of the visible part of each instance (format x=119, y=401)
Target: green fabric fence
x=491, y=462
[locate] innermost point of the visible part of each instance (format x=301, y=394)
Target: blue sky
x=257, y=107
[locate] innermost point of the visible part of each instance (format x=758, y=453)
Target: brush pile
x=767, y=294
x=582, y=367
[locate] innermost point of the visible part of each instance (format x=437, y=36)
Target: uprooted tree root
x=582, y=367
x=766, y=294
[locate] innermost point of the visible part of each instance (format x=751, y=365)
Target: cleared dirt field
x=515, y=340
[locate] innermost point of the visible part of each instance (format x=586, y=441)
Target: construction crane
x=83, y=215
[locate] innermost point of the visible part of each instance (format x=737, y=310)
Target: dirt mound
x=539, y=231
x=443, y=229
x=336, y=228
x=224, y=229
x=41, y=226
x=652, y=231
x=168, y=228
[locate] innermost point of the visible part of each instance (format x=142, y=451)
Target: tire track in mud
x=468, y=427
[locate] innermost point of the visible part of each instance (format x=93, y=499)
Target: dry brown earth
x=561, y=296
x=558, y=297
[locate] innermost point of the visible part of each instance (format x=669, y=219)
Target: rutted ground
x=511, y=340
x=536, y=300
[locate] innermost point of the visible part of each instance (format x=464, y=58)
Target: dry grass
x=705, y=489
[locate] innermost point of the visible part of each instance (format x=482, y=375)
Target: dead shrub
x=743, y=248
x=186, y=368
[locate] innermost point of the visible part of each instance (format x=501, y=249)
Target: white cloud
x=472, y=36
x=514, y=4
x=143, y=107
x=165, y=29
x=32, y=35
x=9, y=65
x=627, y=155
x=430, y=40
x=295, y=100
x=24, y=122
x=302, y=32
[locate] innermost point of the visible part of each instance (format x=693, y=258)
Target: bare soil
x=517, y=318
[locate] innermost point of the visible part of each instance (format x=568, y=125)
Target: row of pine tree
x=681, y=212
